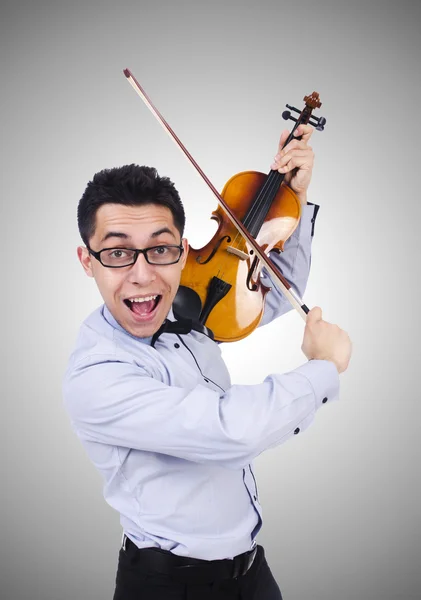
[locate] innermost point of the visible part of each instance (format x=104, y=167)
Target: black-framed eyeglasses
x=116, y=258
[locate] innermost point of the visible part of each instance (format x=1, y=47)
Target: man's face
x=119, y=226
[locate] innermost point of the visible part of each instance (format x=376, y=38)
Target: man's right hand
x=324, y=341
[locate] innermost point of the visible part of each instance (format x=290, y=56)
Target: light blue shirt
x=173, y=440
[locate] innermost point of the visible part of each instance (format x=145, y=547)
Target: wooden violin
x=220, y=282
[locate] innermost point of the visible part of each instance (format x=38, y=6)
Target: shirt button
x=255, y=497
x=324, y=400
x=297, y=431
x=176, y=345
x=207, y=380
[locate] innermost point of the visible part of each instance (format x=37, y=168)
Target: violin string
x=260, y=206
x=265, y=197
x=262, y=203
x=267, y=193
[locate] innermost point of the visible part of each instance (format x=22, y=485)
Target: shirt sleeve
x=120, y=404
x=294, y=263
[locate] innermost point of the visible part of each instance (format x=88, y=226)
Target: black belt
x=184, y=568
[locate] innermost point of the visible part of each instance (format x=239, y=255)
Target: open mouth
x=143, y=307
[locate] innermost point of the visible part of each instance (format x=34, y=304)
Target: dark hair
x=130, y=185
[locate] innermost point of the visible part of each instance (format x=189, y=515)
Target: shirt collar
x=114, y=323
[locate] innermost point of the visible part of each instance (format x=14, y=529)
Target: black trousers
x=136, y=582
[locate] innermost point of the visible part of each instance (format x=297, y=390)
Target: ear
x=185, y=253
x=85, y=260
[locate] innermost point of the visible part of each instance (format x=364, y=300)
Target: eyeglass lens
x=121, y=257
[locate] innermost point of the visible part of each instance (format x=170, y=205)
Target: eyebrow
x=124, y=236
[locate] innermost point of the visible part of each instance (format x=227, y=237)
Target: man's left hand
x=296, y=161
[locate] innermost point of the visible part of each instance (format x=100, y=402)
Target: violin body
x=233, y=309
x=220, y=284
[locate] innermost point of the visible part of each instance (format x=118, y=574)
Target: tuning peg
x=319, y=123
x=293, y=108
x=287, y=115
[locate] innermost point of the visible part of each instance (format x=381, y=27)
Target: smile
x=143, y=308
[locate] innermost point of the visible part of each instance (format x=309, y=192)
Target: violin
x=220, y=284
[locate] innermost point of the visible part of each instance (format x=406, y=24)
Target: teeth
x=146, y=299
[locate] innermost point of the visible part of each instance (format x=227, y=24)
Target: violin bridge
x=242, y=255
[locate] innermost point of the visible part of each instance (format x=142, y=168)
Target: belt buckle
x=243, y=563
x=124, y=542
x=250, y=559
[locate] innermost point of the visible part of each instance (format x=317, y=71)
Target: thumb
x=314, y=315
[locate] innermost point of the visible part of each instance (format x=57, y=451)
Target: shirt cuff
x=323, y=377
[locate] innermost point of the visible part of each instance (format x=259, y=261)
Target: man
x=157, y=414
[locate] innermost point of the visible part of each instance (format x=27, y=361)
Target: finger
x=301, y=144
x=282, y=159
x=296, y=143
x=314, y=315
x=283, y=139
x=302, y=159
x=306, y=131
x=293, y=145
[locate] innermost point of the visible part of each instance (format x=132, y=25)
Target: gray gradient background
x=341, y=502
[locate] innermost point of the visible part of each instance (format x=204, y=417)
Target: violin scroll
x=306, y=116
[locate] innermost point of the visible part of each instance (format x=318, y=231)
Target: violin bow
x=277, y=276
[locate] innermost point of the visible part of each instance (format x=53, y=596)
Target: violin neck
x=259, y=208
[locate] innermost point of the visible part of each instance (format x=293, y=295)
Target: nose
x=142, y=273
